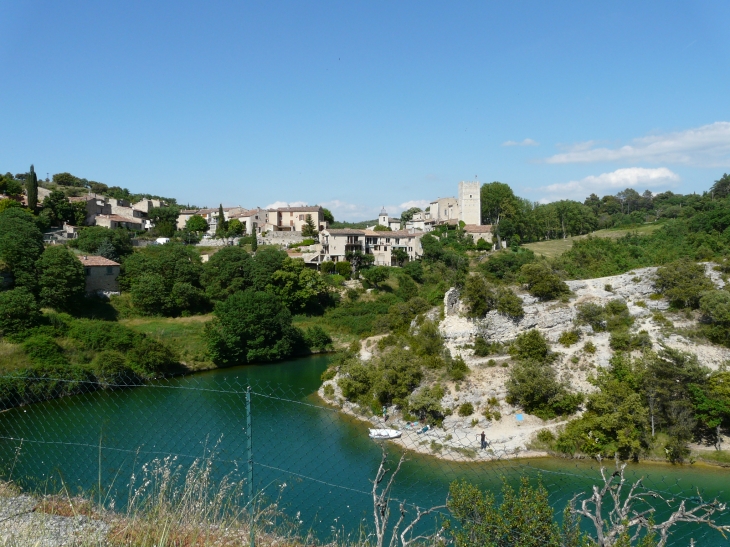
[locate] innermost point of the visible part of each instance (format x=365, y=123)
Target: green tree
x=31, y=188
x=615, y=421
x=712, y=405
x=7, y=203
x=18, y=311
x=58, y=208
x=400, y=256
x=530, y=346
x=61, y=279
x=309, y=229
x=407, y=215
x=93, y=237
x=479, y=296
x=21, y=245
x=250, y=326
x=235, y=228
x=265, y=263
x=67, y=179
x=228, y=271
x=683, y=282
x=299, y=288
x=498, y=201
x=327, y=216
x=10, y=185
x=381, y=228
x=107, y=250
x=534, y=386
x=254, y=239
x=542, y=282
x=721, y=188
x=197, y=224
x=524, y=518
x=159, y=275
x=376, y=275
x=164, y=220
x=221, y=227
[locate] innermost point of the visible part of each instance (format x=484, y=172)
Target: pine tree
x=222, y=227
x=31, y=186
x=254, y=239
x=107, y=250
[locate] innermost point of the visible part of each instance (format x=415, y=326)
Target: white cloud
x=356, y=212
x=706, y=146
x=631, y=177
x=278, y=204
x=526, y=142
x=420, y=203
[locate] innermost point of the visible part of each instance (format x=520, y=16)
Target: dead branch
x=625, y=517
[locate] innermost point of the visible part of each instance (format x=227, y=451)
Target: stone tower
x=383, y=217
x=470, y=207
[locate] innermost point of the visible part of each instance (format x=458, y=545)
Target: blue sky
x=356, y=105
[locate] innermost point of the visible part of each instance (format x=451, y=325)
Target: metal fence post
x=249, y=457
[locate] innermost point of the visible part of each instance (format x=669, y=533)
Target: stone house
x=118, y=221
x=101, y=274
x=95, y=205
x=293, y=219
x=335, y=244
x=480, y=232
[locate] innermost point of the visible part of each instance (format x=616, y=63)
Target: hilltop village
x=572, y=328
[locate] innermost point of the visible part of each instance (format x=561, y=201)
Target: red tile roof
x=92, y=260
x=474, y=229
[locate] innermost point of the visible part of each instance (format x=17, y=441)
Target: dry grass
x=12, y=357
x=185, y=334
x=556, y=247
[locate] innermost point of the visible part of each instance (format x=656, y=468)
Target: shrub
x=715, y=306
x=317, y=339
x=491, y=363
x=618, y=315
x=62, y=279
x=534, y=386
x=530, y=346
x=589, y=347
x=415, y=270
x=482, y=348
x=466, y=409
x=608, y=288
x=328, y=267
x=343, y=268
x=509, y=304
x=251, y=326
x=329, y=391
x=683, y=283
x=623, y=340
x=542, y=282
x=479, y=296
x=593, y=315
x=355, y=381
x=148, y=358
x=18, y=311
x=111, y=370
x=506, y=263
x=426, y=405
x=44, y=351
x=569, y=337
x=545, y=436
x=457, y=369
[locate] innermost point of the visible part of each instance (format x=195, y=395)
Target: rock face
x=551, y=318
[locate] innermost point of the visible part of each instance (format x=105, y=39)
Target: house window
x=88, y=271
x=109, y=270
x=301, y=217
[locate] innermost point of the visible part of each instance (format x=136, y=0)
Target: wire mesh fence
x=282, y=445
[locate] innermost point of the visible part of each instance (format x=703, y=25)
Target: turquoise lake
x=325, y=459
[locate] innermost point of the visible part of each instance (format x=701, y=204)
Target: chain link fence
x=278, y=445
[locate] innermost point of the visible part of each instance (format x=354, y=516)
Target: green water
x=325, y=459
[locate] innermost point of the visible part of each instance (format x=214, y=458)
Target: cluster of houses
x=390, y=242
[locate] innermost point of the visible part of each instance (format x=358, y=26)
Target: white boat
x=380, y=434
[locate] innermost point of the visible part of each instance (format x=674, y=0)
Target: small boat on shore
x=382, y=434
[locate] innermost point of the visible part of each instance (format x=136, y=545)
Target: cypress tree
x=31, y=187
x=221, y=228
x=254, y=240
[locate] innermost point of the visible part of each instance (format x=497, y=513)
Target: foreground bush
x=534, y=386
x=251, y=326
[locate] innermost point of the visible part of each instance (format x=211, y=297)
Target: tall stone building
x=470, y=207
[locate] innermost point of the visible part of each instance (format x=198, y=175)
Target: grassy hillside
x=556, y=247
